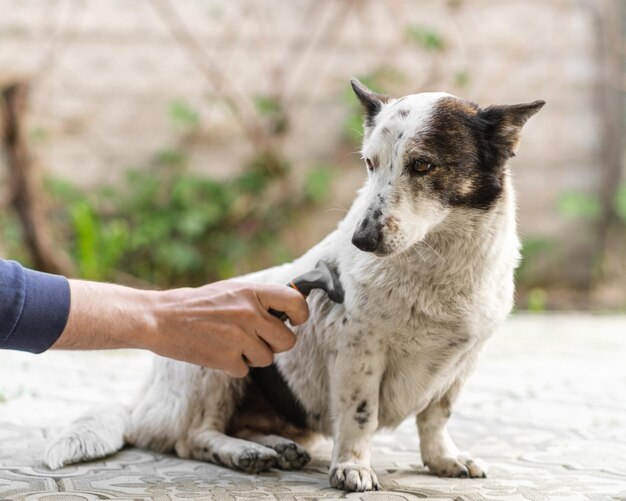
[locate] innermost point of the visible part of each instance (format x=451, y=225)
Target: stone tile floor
x=546, y=408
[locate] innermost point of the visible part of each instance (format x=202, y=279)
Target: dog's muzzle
x=367, y=235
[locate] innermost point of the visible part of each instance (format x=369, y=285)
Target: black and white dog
x=426, y=256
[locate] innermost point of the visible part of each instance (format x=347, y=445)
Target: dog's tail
x=96, y=434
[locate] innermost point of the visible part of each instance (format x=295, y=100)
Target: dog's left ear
x=371, y=101
x=504, y=122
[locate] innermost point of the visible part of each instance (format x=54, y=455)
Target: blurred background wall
x=258, y=91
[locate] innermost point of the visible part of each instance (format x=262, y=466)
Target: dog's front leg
x=355, y=385
x=438, y=450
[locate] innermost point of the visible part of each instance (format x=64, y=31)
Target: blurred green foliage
x=425, y=37
x=537, y=300
x=167, y=226
x=317, y=182
x=587, y=206
x=383, y=77
x=579, y=205
x=620, y=202
x=461, y=79
x=182, y=115
x=12, y=238
x=535, y=249
x=272, y=111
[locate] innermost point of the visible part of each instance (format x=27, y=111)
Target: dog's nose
x=367, y=236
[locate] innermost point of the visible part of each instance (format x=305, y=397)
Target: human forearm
x=225, y=325
x=107, y=316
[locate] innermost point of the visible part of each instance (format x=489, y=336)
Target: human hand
x=225, y=325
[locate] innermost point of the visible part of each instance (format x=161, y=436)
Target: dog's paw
x=353, y=477
x=255, y=459
x=461, y=466
x=291, y=456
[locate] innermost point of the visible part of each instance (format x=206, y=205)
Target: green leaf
x=192, y=224
x=579, y=205
x=271, y=108
x=38, y=134
x=620, y=202
x=60, y=188
x=182, y=115
x=317, y=183
x=536, y=245
x=425, y=37
x=461, y=78
x=267, y=105
x=353, y=128
x=178, y=255
x=537, y=300
x=86, y=230
x=114, y=243
x=171, y=158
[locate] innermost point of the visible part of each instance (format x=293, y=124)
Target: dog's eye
x=370, y=166
x=421, y=167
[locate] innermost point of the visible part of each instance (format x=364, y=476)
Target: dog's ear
x=371, y=101
x=503, y=123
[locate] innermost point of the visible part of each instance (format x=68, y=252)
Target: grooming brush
x=322, y=277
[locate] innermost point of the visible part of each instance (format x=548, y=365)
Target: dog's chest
x=416, y=370
x=422, y=332
x=419, y=328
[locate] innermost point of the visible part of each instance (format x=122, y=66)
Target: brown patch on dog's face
x=454, y=144
x=467, y=148
x=435, y=153
x=391, y=223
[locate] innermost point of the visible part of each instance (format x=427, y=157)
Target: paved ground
x=546, y=409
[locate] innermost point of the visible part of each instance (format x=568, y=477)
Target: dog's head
x=428, y=155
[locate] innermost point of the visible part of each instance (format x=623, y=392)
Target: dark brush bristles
x=322, y=277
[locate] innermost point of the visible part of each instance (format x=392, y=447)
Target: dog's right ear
x=371, y=101
x=505, y=122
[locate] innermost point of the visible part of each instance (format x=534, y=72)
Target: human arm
x=216, y=325
x=224, y=325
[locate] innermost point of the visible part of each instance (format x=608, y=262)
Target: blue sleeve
x=34, y=307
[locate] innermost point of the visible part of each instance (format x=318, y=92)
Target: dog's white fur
x=406, y=338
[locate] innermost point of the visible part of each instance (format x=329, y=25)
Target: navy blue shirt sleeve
x=34, y=307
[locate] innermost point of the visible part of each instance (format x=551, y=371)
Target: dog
x=426, y=255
